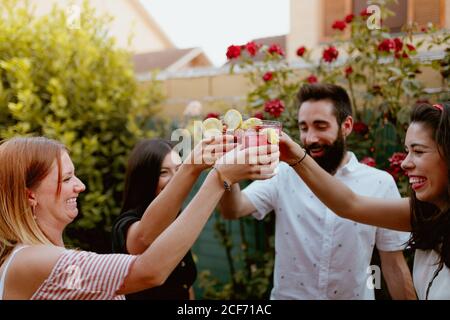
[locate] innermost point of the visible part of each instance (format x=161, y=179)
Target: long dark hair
x=142, y=174
x=430, y=224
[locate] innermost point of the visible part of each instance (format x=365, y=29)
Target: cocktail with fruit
x=262, y=133
x=250, y=132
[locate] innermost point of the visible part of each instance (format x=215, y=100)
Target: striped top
x=81, y=275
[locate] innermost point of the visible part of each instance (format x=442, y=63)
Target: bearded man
x=319, y=255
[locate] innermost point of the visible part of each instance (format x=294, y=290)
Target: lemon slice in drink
x=233, y=119
x=251, y=123
x=212, y=123
x=271, y=134
x=212, y=133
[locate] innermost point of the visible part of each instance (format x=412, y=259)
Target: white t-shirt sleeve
x=263, y=195
x=386, y=239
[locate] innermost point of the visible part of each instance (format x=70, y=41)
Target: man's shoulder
x=374, y=173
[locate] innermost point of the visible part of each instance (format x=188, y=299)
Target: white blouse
x=425, y=265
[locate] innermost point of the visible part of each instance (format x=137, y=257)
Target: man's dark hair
x=324, y=91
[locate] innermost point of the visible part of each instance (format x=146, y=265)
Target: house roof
x=152, y=24
x=168, y=60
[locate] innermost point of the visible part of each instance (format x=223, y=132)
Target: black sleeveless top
x=177, y=284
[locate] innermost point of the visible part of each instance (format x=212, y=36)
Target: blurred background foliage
x=75, y=86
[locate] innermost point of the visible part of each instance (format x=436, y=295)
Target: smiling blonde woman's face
x=426, y=169
x=59, y=209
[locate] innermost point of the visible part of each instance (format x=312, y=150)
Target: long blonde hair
x=24, y=163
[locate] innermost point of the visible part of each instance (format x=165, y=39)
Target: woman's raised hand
x=255, y=163
x=209, y=150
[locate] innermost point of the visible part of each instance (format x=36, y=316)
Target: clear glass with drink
x=267, y=132
x=264, y=133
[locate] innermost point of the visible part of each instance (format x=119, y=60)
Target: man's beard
x=332, y=154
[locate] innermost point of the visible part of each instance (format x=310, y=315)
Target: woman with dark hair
x=151, y=166
x=426, y=213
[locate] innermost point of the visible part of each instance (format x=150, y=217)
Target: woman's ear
x=31, y=196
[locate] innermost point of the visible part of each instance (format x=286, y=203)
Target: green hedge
x=74, y=85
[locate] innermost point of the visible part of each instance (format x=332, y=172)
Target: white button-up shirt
x=319, y=255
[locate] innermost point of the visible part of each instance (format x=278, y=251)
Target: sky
x=213, y=25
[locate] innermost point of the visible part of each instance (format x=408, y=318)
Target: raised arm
x=234, y=204
x=156, y=263
x=164, y=209
x=387, y=213
x=32, y=268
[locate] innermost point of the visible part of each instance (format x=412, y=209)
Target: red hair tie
x=439, y=107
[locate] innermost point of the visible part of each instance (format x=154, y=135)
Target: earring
x=33, y=210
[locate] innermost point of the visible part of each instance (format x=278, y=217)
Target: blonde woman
x=38, y=199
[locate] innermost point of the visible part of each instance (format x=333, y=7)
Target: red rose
x=339, y=25
x=360, y=128
x=259, y=115
x=398, y=44
x=348, y=71
x=365, y=13
x=252, y=48
x=411, y=47
x=369, y=161
x=397, y=158
x=233, y=52
x=275, y=49
x=349, y=18
x=268, y=76
x=274, y=107
x=395, y=168
x=330, y=54
x=212, y=115
x=301, y=51
x=312, y=79
x=376, y=89
x=386, y=45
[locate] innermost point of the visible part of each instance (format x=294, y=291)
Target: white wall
x=127, y=19
x=305, y=25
